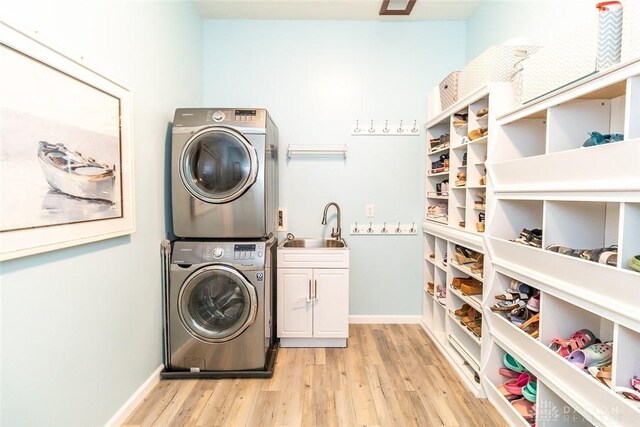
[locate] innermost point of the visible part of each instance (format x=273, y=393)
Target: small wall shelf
x=317, y=151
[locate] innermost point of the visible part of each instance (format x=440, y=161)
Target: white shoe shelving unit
x=464, y=350
x=583, y=198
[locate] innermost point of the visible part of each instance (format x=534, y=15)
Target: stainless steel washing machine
x=219, y=305
x=224, y=179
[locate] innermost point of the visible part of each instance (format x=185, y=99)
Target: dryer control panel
x=237, y=253
x=238, y=117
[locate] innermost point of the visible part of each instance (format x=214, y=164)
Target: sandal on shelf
x=474, y=288
x=506, y=372
x=533, y=322
x=519, y=287
x=505, y=305
x=482, y=112
x=635, y=382
x=530, y=391
x=481, y=203
x=596, y=138
x=477, y=330
x=462, y=224
x=530, y=237
x=607, y=256
x=501, y=388
x=512, y=364
x=627, y=392
x=458, y=281
x=525, y=408
x=480, y=223
x=515, y=386
x=602, y=374
x=430, y=288
x=478, y=133
x=462, y=311
x=534, y=302
x=462, y=179
x=519, y=315
x=634, y=263
x=483, y=180
x=579, y=340
x=511, y=295
x=478, y=267
x=464, y=255
x=470, y=317
x=592, y=356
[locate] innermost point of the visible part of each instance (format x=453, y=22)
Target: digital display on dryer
x=245, y=112
x=240, y=248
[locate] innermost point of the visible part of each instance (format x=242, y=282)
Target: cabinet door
x=331, y=303
x=295, y=318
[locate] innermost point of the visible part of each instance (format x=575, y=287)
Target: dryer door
x=218, y=164
x=217, y=303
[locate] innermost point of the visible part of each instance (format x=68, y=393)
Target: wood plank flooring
x=390, y=375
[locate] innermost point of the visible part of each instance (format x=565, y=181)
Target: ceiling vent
x=397, y=7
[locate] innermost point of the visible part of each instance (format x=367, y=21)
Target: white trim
x=132, y=403
x=382, y=319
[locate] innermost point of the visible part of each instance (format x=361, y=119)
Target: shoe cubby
x=552, y=410
x=626, y=363
x=492, y=381
x=465, y=339
x=458, y=128
x=629, y=244
x=510, y=217
x=581, y=225
x=541, y=144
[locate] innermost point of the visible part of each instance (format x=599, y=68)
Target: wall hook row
x=385, y=129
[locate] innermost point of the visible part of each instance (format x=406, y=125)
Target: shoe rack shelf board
x=460, y=203
x=581, y=198
x=457, y=343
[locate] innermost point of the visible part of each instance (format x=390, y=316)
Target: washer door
x=218, y=164
x=217, y=303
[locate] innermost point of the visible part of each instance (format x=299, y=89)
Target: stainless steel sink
x=314, y=243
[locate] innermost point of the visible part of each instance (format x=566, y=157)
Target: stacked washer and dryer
x=220, y=271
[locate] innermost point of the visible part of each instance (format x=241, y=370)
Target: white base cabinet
x=313, y=304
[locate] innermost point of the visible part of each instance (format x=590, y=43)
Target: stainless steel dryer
x=219, y=306
x=224, y=180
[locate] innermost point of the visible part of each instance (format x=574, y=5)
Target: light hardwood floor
x=390, y=375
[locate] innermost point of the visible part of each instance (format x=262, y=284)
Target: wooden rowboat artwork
x=71, y=173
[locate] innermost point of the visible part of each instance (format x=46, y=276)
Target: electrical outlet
x=371, y=211
x=281, y=220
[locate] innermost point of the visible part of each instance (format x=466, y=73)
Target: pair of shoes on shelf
x=577, y=341
x=634, y=263
x=457, y=282
x=462, y=224
x=437, y=211
x=465, y=256
x=608, y=256
x=464, y=159
x=632, y=392
x=441, y=294
x=520, y=389
x=482, y=112
x=483, y=180
x=596, y=138
x=430, y=288
x=480, y=223
x=462, y=179
x=460, y=120
x=471, y=288
x=478, y=133
x=531, y=237
x=478, y=266
x=480, y=202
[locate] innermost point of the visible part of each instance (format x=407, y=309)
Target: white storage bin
x=562, y=62
x=630, y=29
x=496, y=64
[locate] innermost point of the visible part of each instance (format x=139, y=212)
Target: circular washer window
x=216, y=304
x=218, y=165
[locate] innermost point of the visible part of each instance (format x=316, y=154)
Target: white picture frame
x=52, y=106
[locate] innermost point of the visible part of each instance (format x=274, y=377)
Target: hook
x=357, y=128
x=384, y=228
x=386, y=126
x=414, y=129
x=355, y=228
x=371, y=128
x=400, y=130
x=370, y=230
x=398, y=228
x=413, y=228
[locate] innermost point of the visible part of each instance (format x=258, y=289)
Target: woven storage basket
x=495, y=64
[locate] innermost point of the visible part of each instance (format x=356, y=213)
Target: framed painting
x=66, y=169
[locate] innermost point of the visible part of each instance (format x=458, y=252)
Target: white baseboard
x=135, y=399
x=382, y=319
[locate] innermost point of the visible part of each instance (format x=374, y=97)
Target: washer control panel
x=235, y=253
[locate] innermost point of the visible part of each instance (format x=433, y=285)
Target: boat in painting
x=75, y=175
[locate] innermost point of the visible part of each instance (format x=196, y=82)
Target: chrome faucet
x=335, y=233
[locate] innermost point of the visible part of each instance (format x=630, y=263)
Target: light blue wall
x=316, y=79
x=81, y=327
x=542, y=21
